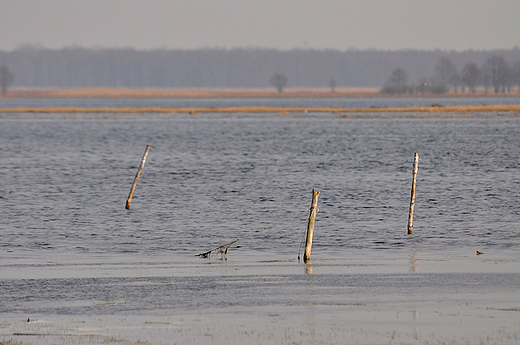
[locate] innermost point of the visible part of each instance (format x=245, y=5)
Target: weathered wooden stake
x=129, y=200
x=310, y=226
x=412, y=197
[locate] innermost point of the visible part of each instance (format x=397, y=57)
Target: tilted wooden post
x=129, y=200
x=310, y=226
x=412, y=197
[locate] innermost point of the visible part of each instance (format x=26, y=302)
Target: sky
x=279, y=24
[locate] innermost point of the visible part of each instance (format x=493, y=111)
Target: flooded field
x=77, y=267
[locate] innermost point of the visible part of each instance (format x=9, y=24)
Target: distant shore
x=346, y=112
x=350, y=92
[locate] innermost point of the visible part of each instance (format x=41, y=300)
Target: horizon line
x=37, y=46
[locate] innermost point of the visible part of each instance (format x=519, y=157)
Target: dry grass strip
x=513, y=108
x=340, y=92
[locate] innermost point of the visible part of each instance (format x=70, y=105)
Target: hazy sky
x=282, y=24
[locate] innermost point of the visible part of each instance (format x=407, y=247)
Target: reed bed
x=340, y=92
x=346, y=112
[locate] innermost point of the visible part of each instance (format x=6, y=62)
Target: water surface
x=73, y=255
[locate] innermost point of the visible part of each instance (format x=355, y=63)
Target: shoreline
x=364, y=299
x=513, y=108
x=324, y=92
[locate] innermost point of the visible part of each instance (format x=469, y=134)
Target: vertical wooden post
x=129, y=200
x=412, y=197
x=310, y=226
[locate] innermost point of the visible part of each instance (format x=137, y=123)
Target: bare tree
x=471, y=76
x=397, y=82
x=516, y=74
x=332, y=85
x=486, y=81
x=445, y=70
x=509, y=79
x=6, y=79
x=279, y=81
x=399, y=77
x=455, y=81
x=498, y=71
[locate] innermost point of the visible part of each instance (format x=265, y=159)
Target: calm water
x=70, y=247
x=250, y=102
x=211, y=179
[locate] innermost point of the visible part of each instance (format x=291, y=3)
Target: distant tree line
x=6, y=79
x=242, y=68
x=495, y=73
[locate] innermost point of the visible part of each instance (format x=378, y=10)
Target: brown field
x=191, y=93
x=243, y=93
x=346, y=112
x=218, y=93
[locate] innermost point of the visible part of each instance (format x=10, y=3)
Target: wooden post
x=129, y=200
x=412, y=197
x=310, y=226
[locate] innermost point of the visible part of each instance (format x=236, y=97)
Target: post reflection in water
x=413, y=261
x=415, y=312
x=311, y=315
